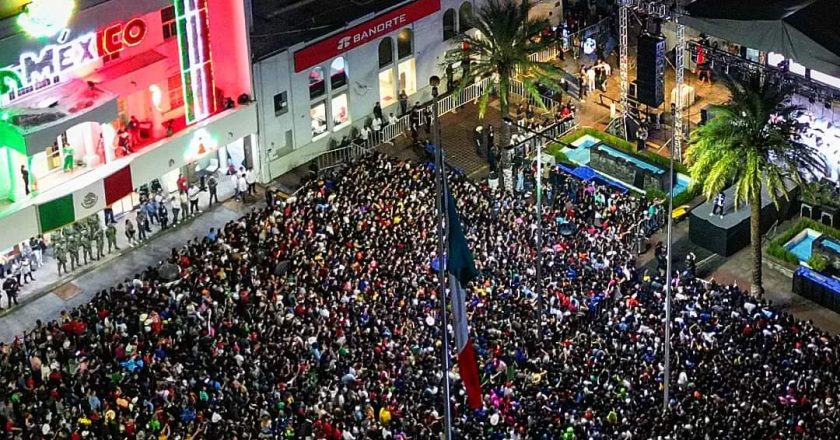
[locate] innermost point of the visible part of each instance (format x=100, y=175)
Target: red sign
x=364, y=33
x=116, y=37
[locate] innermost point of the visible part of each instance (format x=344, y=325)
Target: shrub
x=818, y=263
x=776, y=248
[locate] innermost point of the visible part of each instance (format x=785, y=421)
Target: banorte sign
x=364, y=33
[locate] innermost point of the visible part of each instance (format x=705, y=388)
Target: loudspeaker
x=650, y=70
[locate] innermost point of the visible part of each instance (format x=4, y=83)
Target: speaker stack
x=650, y=73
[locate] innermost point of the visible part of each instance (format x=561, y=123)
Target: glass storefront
x=406, y=71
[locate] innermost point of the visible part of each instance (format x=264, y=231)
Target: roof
x=804, y=30
x=280, y=24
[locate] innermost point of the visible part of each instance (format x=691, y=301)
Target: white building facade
x=313, y=93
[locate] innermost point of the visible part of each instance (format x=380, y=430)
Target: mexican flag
x=461, y=270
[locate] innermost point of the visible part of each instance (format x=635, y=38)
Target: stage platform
x=727, y=235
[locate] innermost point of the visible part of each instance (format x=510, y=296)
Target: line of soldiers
x=84, y=240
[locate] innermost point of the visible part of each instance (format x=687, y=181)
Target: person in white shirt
x=376, y=128
x=192, y=193
x=590, y=79
x=251, y=180
x=364, y=134
x=392, y=119
x=242, y=185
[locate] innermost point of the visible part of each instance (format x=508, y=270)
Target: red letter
x=134, y=32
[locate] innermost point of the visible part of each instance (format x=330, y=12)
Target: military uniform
x=86, y=238
x=100, y=243
x=60, y=255
x=73, y=249
x=111, y=235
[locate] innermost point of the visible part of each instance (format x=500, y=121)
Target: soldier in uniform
x=99, y=234
x=86, y=239
x=73, y=249
x=60, y=255
x=111, y=235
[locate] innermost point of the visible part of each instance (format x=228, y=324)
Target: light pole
x=667, y=377
x=538, y=267
x=440, y=186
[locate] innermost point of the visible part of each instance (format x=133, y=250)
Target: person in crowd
x=318, y=317
x=11, y=286
x=377, y=111
x=192, y=194
x=242, y=186
x=403, y=100
x=26, y=270
x=718, y=205
x=184, y=200
x=142, y=225
x=213, y=187
x=24, y=175
x=251, y=180
x=163, y=215
x=130, y=232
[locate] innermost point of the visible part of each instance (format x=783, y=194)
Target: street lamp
x=668, y=287
x=538, y=288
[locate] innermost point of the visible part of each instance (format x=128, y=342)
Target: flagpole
x=440, y=187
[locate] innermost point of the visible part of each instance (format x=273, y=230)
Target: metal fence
x=446, y=104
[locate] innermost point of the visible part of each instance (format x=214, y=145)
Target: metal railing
x=528, y=146
x=338, y=156
x=446, y=104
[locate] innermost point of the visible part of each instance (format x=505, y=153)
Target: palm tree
x=506, y=39
x=751, y=143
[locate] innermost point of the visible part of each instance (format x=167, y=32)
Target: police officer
x=111, y=235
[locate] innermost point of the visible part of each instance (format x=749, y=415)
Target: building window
x=338, y=73
x=318, y=114
x=317, y=86
x=387, y=88
x=340, y=112
x=466, y=15
x=404, y=44
x=281, y=104
x=167, y=20
x=386, y=52
x=449, y=30
x=408, y=82
x=176, y=93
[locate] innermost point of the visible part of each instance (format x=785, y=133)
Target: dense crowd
x=317, y=317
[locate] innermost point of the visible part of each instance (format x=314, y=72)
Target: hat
x=494, y=419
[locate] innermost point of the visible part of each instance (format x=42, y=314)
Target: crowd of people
x=318, y=317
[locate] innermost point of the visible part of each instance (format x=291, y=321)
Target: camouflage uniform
x=100, y=242
x=111, y=235
x=73, y=248
x=87, y=238
x=60, y=255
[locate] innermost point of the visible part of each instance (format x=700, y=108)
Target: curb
x=70, y=277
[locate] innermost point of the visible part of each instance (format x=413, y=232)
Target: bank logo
x=89, y=201
x=344, y=43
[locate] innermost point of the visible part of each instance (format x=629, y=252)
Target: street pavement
x=47, y=305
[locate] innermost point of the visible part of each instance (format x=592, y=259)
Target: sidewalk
x=48, y=296
x=47, y=278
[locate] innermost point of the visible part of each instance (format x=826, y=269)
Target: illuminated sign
x=38, y=70
x=118, y=36
x=364, y=33
x=200, y=144
x=44, y=18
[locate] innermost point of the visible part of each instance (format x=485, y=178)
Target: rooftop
x=280, y=24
